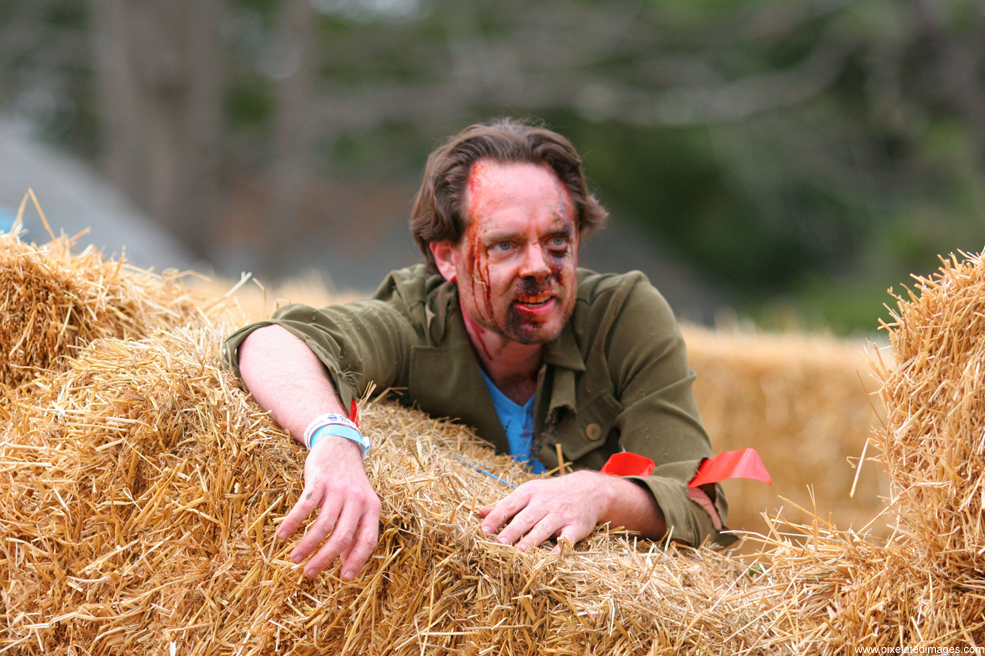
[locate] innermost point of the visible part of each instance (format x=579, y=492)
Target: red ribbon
x=728, y=464
x=627, y=464
x=731, y=464
x=354, y=413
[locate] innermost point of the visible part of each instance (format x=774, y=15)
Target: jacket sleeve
x=659, y=418
x=359, y=343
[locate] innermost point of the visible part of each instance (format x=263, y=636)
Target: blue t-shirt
x=518, y=422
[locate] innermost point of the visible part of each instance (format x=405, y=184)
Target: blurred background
x=785, y=161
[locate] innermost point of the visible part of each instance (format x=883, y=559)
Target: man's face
x=515, y=266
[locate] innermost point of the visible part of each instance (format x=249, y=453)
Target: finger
x=484, y=512
x=338, y=542
x=328, y=517
x=357, y=531
x=520, y=525
x=505, y=510
x=374, y=506
x=304, y=506
x=540, y=533
x=567, y=538
x=362, y=548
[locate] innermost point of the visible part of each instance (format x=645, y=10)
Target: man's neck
x=510, y=365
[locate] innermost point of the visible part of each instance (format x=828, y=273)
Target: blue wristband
x=343, y=431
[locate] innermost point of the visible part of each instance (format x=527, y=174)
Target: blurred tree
x=813, y=148
x=160, y=73
x=294, y=133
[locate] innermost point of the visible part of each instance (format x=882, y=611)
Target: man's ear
x=444, y=256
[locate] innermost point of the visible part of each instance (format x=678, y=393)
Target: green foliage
x=66, y=14
x=249, y=104
x=804, y=150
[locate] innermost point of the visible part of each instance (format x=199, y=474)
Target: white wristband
x=325, y=420
x=338, y=425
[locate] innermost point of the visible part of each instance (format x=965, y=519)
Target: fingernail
x=503, y=540
x=296, y=558
x=348, y=575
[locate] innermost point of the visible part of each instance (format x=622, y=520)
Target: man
x=500, y=330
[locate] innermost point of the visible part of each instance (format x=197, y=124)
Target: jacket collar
x=561, y=363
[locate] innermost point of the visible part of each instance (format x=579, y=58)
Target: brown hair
x=437, y=213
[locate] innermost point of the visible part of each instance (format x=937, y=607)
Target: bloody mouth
x=534, y=306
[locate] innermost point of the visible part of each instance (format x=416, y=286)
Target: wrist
x=614, y=489
x=337, y=450
x=606, y=492
x=334, y=425
x=631, y=504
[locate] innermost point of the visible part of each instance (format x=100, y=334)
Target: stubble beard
x=521, y=330
x=517, y=328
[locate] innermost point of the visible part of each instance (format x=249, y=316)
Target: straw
x=55, y=301
x=142, y=492
x=934, y=439
x=808, y=403
x=141, y=489
x=923, y=590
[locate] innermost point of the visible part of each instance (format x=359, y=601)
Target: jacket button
x=594, y=432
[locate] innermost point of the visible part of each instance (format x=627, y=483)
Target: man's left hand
x=569, y=508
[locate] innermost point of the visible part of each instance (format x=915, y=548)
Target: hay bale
x=55, y=301
x=921, y=590
x=839, y=594
x=807, y=404
x=934, y=437
x=142, y=490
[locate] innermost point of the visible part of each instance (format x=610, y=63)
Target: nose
x=534, y=264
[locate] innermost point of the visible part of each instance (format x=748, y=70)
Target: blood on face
x=480, y=200
x=509, y=205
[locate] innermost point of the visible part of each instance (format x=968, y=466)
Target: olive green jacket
x=615, y=379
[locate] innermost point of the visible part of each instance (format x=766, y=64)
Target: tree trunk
x=159, y=70
x=293, y=133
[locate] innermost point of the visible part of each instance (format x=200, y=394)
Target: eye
x=559, y=242
x=503, y=246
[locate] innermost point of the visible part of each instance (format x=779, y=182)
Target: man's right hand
x=335, y=482
x=288, y=380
